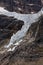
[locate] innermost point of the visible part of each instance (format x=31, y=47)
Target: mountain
x=21, y=32
x=22, y=6
x=8, y=26
x=30, y=49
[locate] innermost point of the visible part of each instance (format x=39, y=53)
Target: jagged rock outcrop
x=30, y=50
x=8, y=26
x=22, y=6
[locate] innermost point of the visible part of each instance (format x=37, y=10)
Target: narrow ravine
x=28, y=20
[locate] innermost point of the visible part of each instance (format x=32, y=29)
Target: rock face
x=8, y=26
x=22, y=6
x=30, y=50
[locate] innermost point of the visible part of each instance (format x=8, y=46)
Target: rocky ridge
x=22, y=6
x=8, y=26
x=30, y=49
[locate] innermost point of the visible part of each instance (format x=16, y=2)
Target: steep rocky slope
x=30, y=50
x=22, y=6
x=8, y=26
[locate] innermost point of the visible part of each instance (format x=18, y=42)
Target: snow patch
x=16, y=44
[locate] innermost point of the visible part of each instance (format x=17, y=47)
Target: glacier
x=28, y=20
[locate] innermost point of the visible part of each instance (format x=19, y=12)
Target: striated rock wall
x=30, y=50
x=8, y=26
x=22, y=6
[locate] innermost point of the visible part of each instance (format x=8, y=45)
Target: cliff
x=8, y=26
x=30, y=50
x=22, y=6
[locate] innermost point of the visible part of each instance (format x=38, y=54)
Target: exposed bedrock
x=30, y=50
x=22, y=6
x=8, y=26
